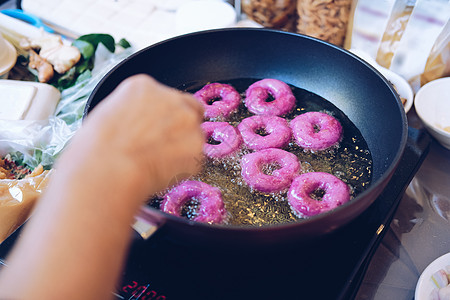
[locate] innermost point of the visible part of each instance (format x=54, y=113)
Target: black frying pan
x=324, y=69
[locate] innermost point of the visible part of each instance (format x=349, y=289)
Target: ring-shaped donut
x=257, y=95
x=316, y=130
x=253, y=169
x=332, y=191
x=229, y=138
x=211, y=208
x=218, y=99
x=276, y=132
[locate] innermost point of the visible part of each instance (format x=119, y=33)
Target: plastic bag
x=40, y=142
x=438, y=63
x=34, y=143
x=409, y=37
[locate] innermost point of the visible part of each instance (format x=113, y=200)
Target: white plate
x=424, y=284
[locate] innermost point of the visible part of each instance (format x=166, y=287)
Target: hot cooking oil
x=350, y=161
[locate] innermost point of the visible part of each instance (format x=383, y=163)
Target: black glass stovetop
x=331, y=267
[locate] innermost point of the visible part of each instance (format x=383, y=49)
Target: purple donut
x=254, y=164
x=316, y=130
x=277, y=130
x=222, y=132
x=258, y=93
x=336, y=193
x=211, y=208
x=225, y=100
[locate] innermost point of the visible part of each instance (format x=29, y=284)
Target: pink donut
x=222, y=132
x=336, y=193
x=316, y=130
x=277, y=130
x=225, y=100
x=258, y=93
x=211, y=207
x=253, y=165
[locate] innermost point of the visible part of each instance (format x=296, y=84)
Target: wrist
x=106, y=177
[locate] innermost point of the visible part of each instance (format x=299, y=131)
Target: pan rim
x=374, y=185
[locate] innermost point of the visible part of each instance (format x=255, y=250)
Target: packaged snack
x=278, y=14
x=19, y=190
x=408, y=37
x=324, y=19
x=438, y=62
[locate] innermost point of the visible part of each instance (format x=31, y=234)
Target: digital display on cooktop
x=133, y=290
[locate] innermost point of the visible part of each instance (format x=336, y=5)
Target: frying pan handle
x=144, y=228
x=146, y=223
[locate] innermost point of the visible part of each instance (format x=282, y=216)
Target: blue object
x=26, y=17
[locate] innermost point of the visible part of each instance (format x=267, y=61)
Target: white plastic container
x=26, y=100
x=203, y=15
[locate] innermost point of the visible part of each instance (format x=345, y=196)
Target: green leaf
x=124, y=43
x=96, y=38
x=38, y=155
x=68, y=78
x=87, y=50
x=18, y=158
x=83, y=66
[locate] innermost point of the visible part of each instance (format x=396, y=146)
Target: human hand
x=144, y=132
x=131, y=145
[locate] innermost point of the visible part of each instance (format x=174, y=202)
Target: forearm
x=131, y=146
x=90, y=227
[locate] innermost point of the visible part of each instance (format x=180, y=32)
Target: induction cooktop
x=329, y=267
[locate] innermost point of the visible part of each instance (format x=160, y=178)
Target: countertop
x=419, y=232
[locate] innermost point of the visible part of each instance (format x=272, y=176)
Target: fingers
x=190, y=102
x=154, y=127
x=185, y=100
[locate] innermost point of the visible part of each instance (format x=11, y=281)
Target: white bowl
x=402, y=87
x=424, y=285
x=400, y=84
x=432, y=103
